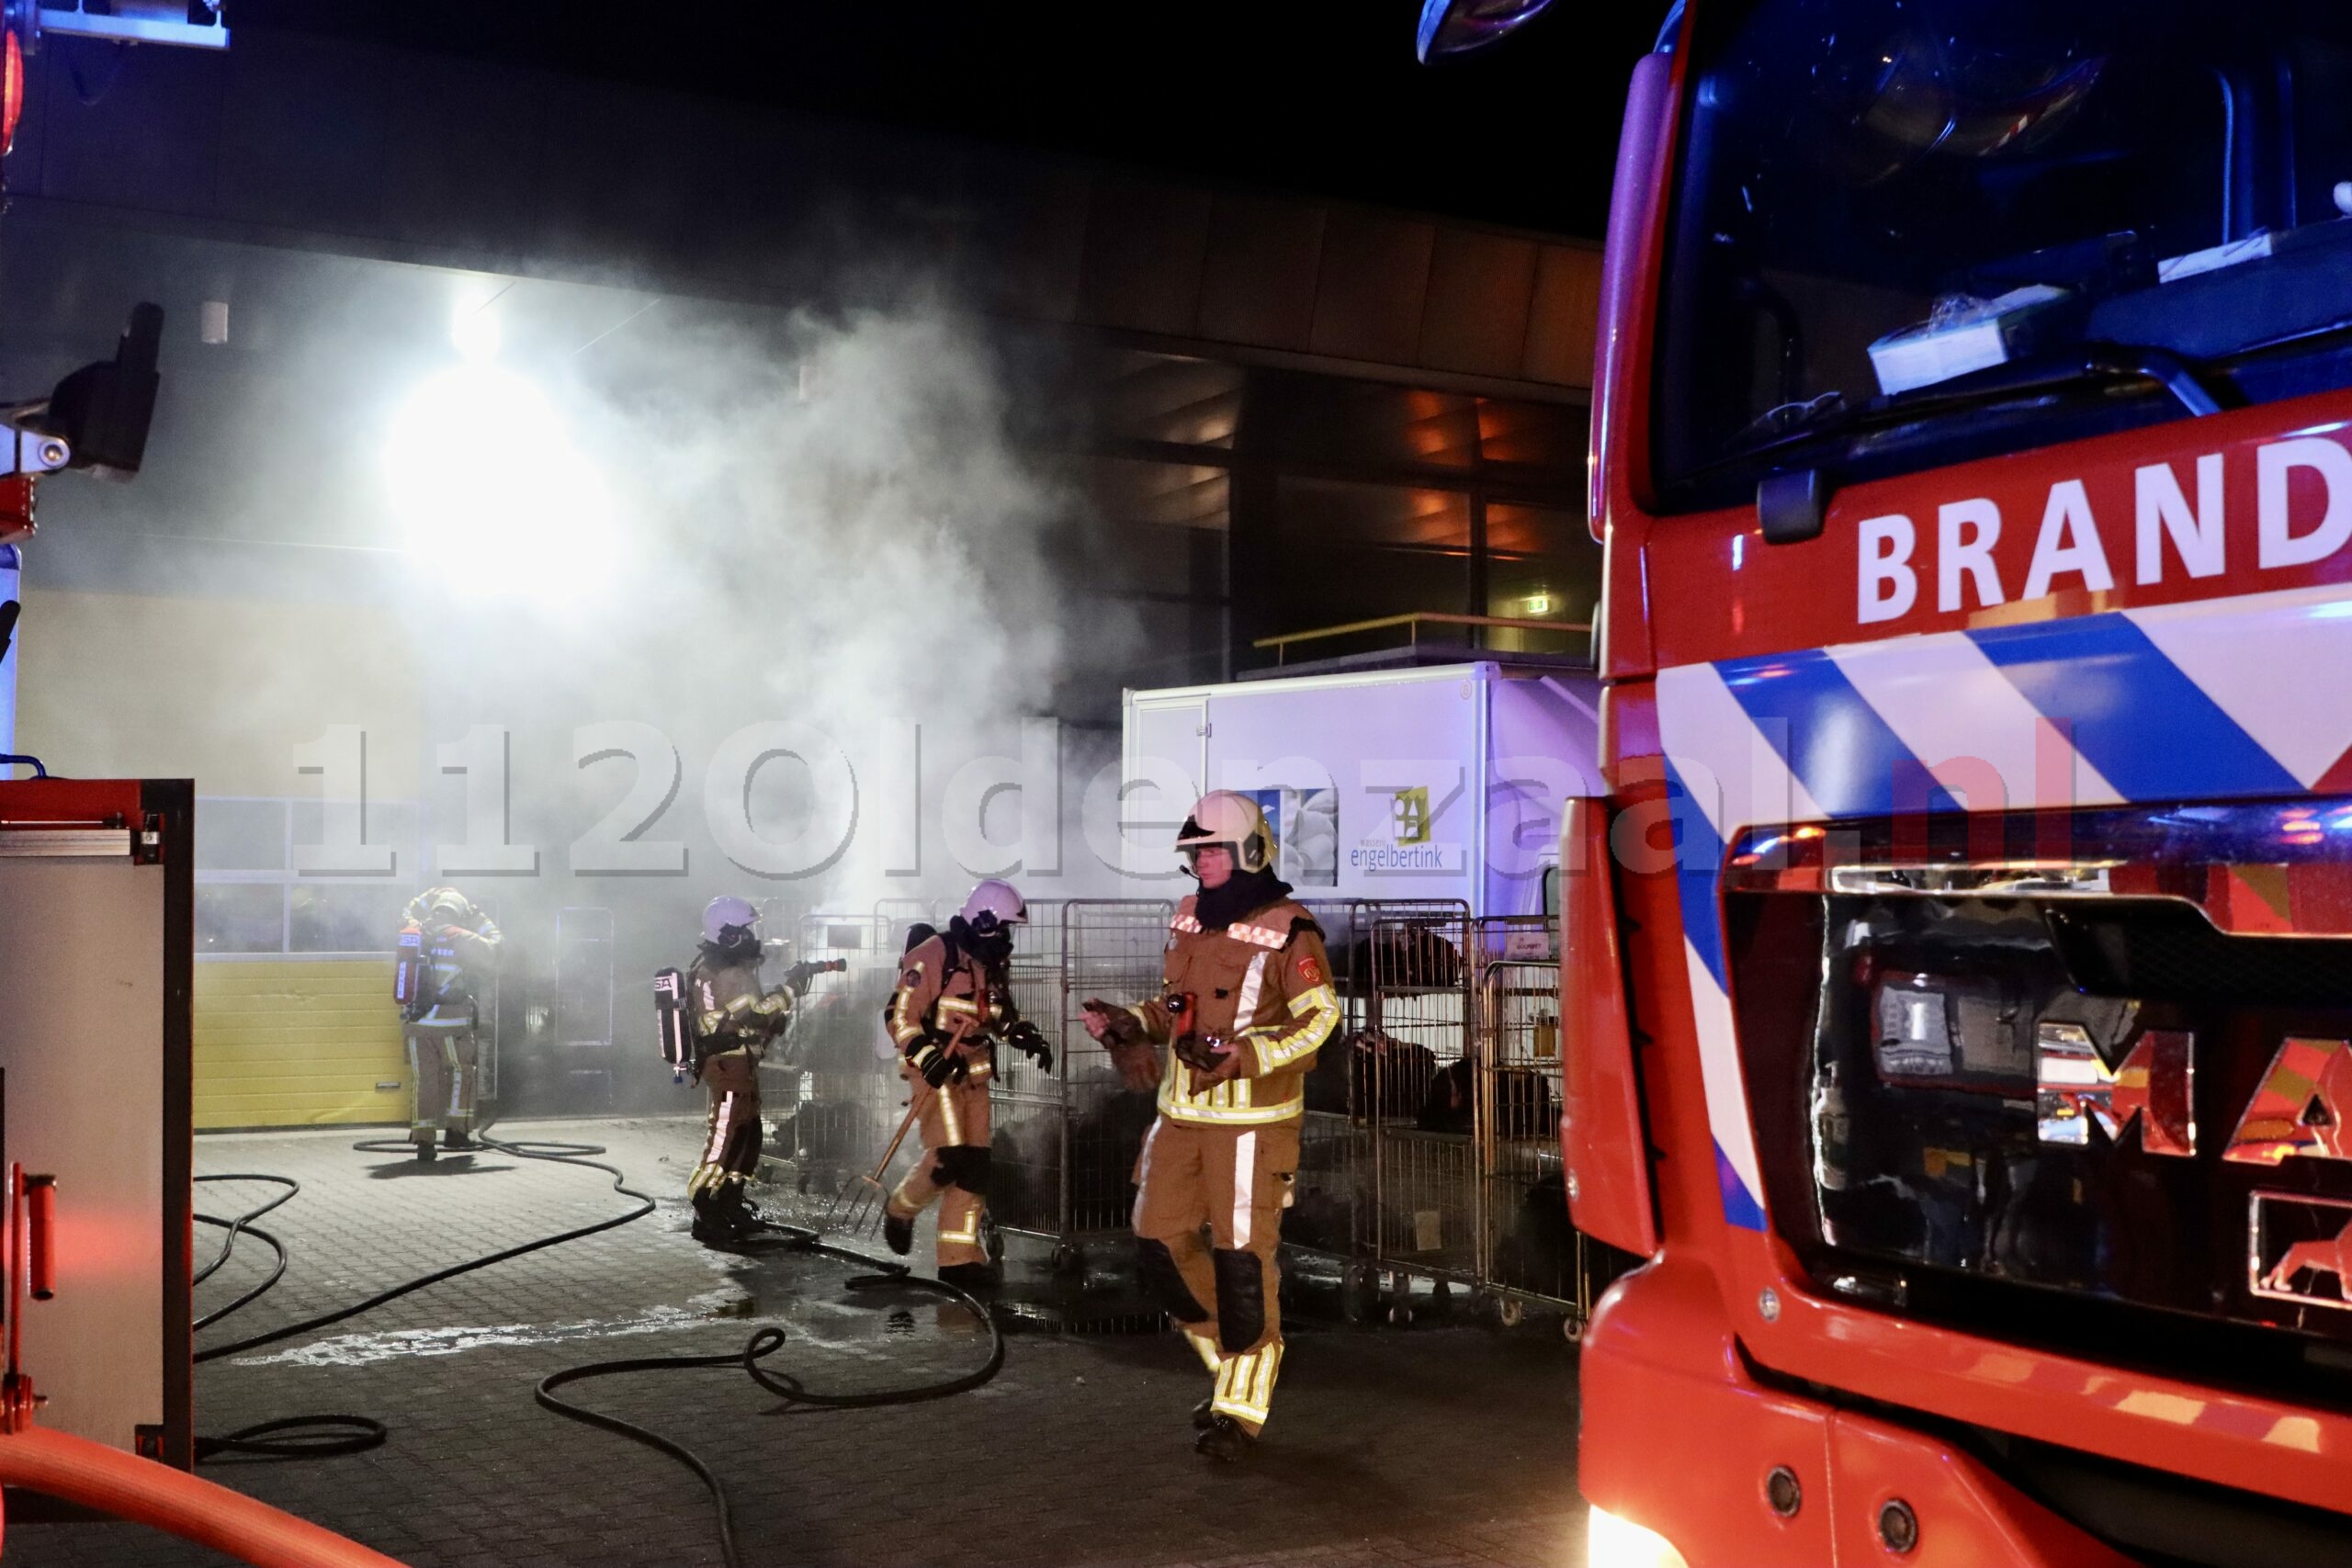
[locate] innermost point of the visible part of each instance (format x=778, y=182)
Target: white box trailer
x=1433, y=782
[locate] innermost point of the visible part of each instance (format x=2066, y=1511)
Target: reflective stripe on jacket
x=1262, y=984
x=935, y=995
x=731, y=1008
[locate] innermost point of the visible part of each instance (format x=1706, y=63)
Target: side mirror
x=1453, y=27
x=102, y=411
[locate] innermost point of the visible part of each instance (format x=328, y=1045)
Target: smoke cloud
x=718, y=600
x=840, y=584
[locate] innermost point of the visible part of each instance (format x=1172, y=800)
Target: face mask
x=986, y=939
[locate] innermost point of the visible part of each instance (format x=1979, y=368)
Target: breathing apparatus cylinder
x=670, y=1014
x=408, y=971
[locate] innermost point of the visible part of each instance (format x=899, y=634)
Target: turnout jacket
x=1262, y=984
x=455, y=956
x=731, y=1010
x=939, y=987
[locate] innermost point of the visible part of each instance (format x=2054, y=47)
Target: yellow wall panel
x=292, y=1042
x=131, y=687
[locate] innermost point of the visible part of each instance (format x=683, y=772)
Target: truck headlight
x=1621, y=1543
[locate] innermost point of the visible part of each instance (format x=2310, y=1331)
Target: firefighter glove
x=1120, y=1027
x=1203, y=1053
x=1027, y=1038
x=1137, y=1063
x=934, y=1061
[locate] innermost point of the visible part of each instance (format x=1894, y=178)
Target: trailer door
x=1167, y=741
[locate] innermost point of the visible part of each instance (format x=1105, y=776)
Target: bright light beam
x=491, y=494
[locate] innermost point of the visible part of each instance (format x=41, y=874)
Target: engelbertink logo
x=1407, y=845
x=1408, y=816
x=1403, y=857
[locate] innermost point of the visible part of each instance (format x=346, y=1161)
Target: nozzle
x=41, y=1205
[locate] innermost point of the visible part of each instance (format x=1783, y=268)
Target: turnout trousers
x=731, y=1145
x=953, y=1170
x=1209, y=1204
x=445, y=1063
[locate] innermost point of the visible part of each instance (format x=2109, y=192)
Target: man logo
x=2155, y=1087
x=2302, y=1108
x=2302, y=1250
x=2298, y=1248
x=2299, y=1109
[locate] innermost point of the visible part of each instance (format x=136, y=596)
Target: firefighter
x=734, y=1017
x=954, y=1001
x=457, y=945
x=1247, y=1001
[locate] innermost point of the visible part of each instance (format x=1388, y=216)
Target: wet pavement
x=1430, y=1446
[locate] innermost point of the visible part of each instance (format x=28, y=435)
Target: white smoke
x=835, y=521
x=848, y=516
x=826, y=522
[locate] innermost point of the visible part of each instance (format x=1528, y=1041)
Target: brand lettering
x=2180, y=517
x=2298, y=1111
x=2275, y=466
x=1966, y=531
x=1889, y=586
x=2074, y=1087
x=2164, y=513
x=2068, y=543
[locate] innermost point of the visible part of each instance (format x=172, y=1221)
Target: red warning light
x=12, y=92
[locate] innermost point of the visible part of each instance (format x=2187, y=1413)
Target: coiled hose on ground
x=319, y=1437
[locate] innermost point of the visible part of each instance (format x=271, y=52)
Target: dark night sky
x=1314, y=96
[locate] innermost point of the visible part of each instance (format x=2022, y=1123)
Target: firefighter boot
x=968, y=1277
x=423, y=1139
x=456, y=1141
x=1224, y=1440
x=735, y=1210
x=1203, y=1414
x=706, y=1228
x=715, y=1223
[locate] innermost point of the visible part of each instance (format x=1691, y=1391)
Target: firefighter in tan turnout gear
x=1246, y=1003
x=733, y=1017
x=954, y=1001
x=449, y=947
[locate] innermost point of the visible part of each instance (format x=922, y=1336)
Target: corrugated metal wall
x=293, y=1042
x=353, y=147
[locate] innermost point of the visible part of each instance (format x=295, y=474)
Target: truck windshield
x=1911, y=233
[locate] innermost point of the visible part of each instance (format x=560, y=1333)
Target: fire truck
x=1959, y=970
x=96, y=889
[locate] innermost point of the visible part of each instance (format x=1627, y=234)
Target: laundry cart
x=841, y=1095
x=1065, y=1143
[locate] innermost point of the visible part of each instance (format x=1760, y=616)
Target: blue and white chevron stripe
x=2230, y=698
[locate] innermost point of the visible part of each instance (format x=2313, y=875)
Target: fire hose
x=764, y=1343
x=78, y=1471
x=315, y=1437
x=326, y=1436
x=96, y=1476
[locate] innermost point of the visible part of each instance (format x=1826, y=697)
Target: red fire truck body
x=1958, y=975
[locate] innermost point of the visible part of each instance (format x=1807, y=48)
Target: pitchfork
x=866, y=1195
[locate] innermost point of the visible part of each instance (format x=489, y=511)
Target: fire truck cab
x=1958, y=971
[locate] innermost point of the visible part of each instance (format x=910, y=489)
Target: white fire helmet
x=992, y=903
x=726, y=913
x=1225, y=817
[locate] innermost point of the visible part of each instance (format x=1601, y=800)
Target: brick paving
x=1430, y=1446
